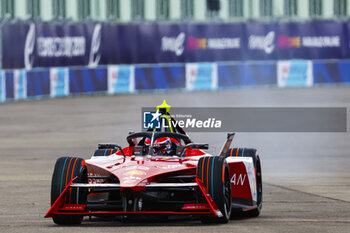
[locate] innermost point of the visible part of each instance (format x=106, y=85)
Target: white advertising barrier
x=20, y=84
x=121, y=79
x=201, y=76
x=294, y=73
x=2, y=87
x=59, y=82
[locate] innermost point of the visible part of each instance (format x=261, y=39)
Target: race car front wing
x=209, y=207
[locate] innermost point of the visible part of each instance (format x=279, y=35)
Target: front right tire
x=214, y=173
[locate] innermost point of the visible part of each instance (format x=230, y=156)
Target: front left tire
x=67, y=168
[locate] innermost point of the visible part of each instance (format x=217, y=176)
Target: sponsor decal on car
x=144, y=168
x=238, y=179
x=136, y=172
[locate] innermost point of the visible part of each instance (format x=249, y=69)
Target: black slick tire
x=67, y=168
x=214, y=173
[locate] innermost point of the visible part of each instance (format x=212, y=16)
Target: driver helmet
x=163, y=145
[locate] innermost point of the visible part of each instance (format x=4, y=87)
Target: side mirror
x=202, y=146
x=111, y=146
x=107, y=146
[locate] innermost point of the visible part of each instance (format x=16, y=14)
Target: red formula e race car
x=160, y=173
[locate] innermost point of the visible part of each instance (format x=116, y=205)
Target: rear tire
x=214, y=173
x=67, y=168
x=249, y=152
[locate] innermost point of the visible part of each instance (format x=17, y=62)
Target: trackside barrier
x=117, y=79
x=63, y=44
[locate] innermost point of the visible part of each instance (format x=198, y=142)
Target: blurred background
x=174, y=10
x=166, y=44
x=59, y=48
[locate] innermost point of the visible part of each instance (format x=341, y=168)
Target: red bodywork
x=135, y=173
x=138, y=173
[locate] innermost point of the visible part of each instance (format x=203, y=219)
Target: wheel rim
x=259, y=184
x=227, y=190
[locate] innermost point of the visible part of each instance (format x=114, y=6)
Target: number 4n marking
x=238, y=181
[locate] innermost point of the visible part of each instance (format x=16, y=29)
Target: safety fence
x=116, y=79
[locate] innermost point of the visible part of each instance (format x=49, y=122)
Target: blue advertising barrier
x=50, y=45
x=38, y=83
x=160, y=77
x=331, y=72
x=247, y=74
x=90, y=44
x=113, y=79
x=87, y=80
x=9, y=85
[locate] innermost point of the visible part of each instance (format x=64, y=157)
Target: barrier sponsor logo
x=201, y=76
x=20, y=84
x=84, y=43
x=294, y=73
x=59, y=82
x=174, y=44
x=29, y=47
x=196, y=43
x=265, y=43
x=120, y=79
x=2, y=87
x=213, y=43
x=321, y=41
x=95, y=55
x=288, y=42
x=309, y=41
x=224, y=43
x=69, y=46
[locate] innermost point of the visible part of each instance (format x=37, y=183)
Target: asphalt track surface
x=306, y=175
